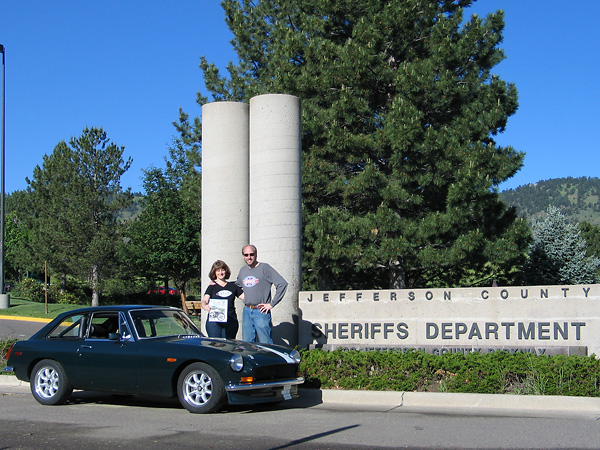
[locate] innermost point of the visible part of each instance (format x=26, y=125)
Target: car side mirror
x=114, y=336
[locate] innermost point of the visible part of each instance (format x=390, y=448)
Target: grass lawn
x=27, y=308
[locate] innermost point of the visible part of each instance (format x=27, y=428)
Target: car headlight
x=295, y=355
x=236, y=362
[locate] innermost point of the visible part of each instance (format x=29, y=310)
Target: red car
x=164, y=290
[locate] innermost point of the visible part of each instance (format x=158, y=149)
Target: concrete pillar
x=275, y=199
x=225, y=207
x=4, y=301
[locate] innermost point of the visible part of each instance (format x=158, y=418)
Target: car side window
x=143, y=327
x=102, y=324
x=71, y=327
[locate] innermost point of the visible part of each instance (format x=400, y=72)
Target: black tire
x=200, y=389
x=49, y=383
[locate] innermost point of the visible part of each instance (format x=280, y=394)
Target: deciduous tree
x=164, y=240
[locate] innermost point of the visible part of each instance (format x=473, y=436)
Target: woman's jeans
x=227, y=330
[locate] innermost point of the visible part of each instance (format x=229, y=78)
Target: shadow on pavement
x=306, y=400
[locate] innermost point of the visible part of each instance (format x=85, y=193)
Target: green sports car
x=154, y=351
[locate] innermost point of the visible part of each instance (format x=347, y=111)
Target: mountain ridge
x=577, y=198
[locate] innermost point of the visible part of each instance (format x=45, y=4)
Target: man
x=256, y=279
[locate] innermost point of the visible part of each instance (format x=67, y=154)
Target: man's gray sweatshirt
x=257, y=283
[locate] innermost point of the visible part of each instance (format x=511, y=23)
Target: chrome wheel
x=49, y=383
x=200, y=388
x=197, y=388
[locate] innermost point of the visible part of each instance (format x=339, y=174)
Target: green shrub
x=30, y=289
x=116, y=287
x=34, y=290
x=492, y=373
x=68, y=298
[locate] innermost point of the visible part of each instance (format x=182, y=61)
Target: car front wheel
x=200, y=389
x=49, y=383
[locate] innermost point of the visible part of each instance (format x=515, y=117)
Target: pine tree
x=559, y=254
x=73, y=204
x=19, y=258
x=591, y=234
x=399, y=111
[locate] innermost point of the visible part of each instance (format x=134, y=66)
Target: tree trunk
x=324, y=281
x=94, y=286
x=397, y=275
x=95, y=298
x=63, y=283
x=183, y=300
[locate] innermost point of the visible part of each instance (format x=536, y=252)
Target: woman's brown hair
x=218, y=264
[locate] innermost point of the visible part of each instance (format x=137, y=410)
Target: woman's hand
x=205, y=301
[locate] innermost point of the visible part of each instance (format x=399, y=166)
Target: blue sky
x=128, y=66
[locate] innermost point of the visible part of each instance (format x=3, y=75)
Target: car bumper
x=267, y=385
x=269, y=392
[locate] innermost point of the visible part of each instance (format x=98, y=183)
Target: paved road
x=95, y=420
x=15, y=328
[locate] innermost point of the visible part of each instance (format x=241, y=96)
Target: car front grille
x=275, y=372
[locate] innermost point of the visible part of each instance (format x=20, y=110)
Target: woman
x=219, y=301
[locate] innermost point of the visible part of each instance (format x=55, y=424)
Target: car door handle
x=86, y=346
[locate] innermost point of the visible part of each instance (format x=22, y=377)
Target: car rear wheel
x=200, y=389
x=49, y=383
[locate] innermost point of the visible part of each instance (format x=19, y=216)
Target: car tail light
x=9, y=351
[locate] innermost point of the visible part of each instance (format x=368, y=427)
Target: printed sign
x=218, y=310
x=537, y=319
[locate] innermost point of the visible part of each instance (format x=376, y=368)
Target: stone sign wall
x=536, y=319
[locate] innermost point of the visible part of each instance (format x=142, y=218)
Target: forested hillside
x=577, y=198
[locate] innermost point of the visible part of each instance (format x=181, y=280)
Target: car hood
x=264, y=353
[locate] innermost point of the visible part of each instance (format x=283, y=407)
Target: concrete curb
x=387, y=400
x=436, y=400
x=11, y=380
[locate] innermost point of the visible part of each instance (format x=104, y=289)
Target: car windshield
x=150, y=323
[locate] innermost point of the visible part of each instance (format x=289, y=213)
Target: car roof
x=90, y=309
x=115, y=308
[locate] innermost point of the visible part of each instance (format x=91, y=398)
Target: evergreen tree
x=558, y=254
x=14, y=236
x=399, y=110
x=74, y=199
x=19, y=258
x=591, y=234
